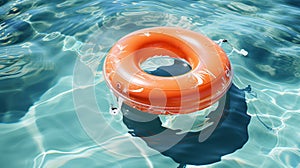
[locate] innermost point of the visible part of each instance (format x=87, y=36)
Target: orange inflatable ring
x=207, y=81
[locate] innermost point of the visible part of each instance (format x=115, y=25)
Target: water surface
x=43, y=46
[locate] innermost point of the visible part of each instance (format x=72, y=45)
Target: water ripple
x=14, y=32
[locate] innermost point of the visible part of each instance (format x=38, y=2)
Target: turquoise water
x=55, y=105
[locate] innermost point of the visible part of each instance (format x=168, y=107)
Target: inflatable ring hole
x=166, y=66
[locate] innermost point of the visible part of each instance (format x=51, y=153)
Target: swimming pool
x=55, y=104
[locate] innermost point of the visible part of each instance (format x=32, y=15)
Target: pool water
x=55, y=105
